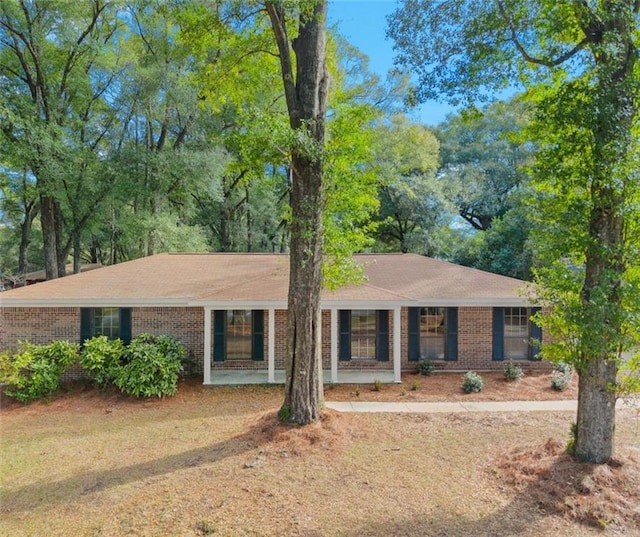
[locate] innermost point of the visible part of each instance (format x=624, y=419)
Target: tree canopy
x=578, y=61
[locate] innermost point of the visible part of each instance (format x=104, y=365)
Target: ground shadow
x=47, y=493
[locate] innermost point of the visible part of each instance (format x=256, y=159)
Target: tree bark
x=49, y=238
x=306, y=94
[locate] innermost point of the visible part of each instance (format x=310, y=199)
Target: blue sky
x=363, y=23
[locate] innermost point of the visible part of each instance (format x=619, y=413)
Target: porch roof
x=245, y=280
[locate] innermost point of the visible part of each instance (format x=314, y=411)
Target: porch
x=334, y=374
x=261, y=376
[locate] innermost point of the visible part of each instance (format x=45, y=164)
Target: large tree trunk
x=306, y=93
x=31, y=211
x=614, y=111
x=49, y=236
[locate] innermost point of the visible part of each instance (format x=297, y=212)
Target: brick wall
x=43, y=325
x=38, y=326
x=184, y=324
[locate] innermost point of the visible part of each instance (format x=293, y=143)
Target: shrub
x=560, y=380
x=377, y=385
x=563, y=367
x=152, y=366
x=35, y=371
x=512, y=371
x=415, y=385
x=100, y=358
x=472, y=383
x=425, y=367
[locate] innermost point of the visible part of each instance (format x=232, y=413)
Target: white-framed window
x=363, y=335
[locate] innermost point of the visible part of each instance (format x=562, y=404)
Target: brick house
x=229, y=310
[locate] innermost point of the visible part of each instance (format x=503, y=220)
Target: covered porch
x=334, y=374
x=261, y=376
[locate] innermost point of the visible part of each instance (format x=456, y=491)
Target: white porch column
x=397, y=358
x=271, y=346
x=207, y=345
x=334, y=345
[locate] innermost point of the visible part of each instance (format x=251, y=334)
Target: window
x=514, y=334
x=115, y=323
x=238, y=335
x=433, y=333
x=364, y=335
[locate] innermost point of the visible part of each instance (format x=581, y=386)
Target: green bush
x=425, y=367
x=35, y=371
x=472, y=383
x=100, y=357
x=151, y=366
x=559, y=380
x=512, y=371
x=563, y=367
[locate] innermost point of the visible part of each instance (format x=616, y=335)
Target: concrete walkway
x=461, y=406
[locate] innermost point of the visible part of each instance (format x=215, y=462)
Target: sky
x=363, y=23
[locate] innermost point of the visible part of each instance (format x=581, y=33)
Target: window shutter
x=498, y=333
x=382, y=335
x=414, y=334
x=451, y=353
x=125, y=325
x=257, y=335
x=344, y=321
x=219, y=336
x=536, y=337
x=85, y=325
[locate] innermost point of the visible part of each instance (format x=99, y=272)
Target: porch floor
x=260, y=376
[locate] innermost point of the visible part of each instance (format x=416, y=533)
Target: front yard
x=212, y=461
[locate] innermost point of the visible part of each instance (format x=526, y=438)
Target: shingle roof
x=221, y=278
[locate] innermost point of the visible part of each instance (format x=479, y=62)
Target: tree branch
x=278, y=24
x=532, y=59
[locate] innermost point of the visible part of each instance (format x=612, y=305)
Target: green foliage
x=415, y=386
x=35, y=371
x=560, y=381
x=101, y=357
x=512, y=371
x=284, y=413
x=472, y=382
x=629, y=384
x=571, y=442
x=152, y=365
x=425, y=367
x=377, y=385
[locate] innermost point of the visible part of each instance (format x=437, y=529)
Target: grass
x=213, y=461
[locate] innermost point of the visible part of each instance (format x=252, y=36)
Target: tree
x=54, y=78
x=485, y=154
x=586, y=52
x=305, y=82
x=482, y=158
x=412, y=204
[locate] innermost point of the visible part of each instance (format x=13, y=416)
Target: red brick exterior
x=42, y=325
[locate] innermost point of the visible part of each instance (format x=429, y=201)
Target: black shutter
x=257, y=335
x=498, y=333
x=86, y=332
x=382, y=335
x=344, y=328
x=219, y=335
x=414, y=334
x=451, y=352
x=125, y=325
x=536, y=337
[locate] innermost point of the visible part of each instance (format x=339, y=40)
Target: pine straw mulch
x=598, y=495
